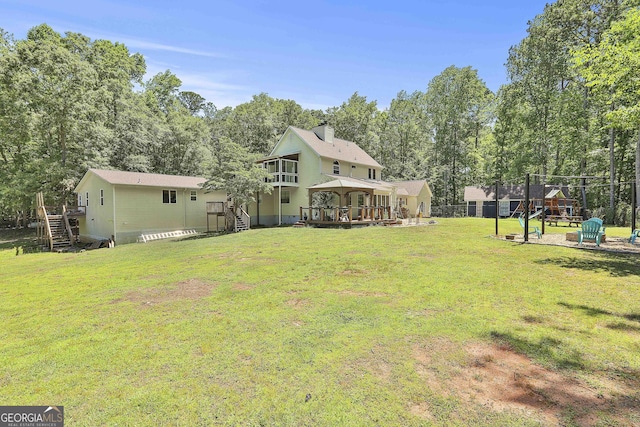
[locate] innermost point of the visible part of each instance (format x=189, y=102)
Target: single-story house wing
x=415, y=196
x=123, y=205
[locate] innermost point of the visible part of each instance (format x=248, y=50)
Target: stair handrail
x=245, y=217
x=46, y=220
x=66, y=223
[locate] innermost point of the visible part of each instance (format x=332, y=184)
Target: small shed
x=481, y=202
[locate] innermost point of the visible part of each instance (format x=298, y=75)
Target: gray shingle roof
x=509, y=192
x=340, y=149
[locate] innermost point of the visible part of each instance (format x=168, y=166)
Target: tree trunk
x=637, y=169
x=612, y=172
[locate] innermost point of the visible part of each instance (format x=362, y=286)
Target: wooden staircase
x=237, y=219
x=241, y=223
x=59, y=236
x=54, y=230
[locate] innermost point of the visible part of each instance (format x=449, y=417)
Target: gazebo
x=346, y=213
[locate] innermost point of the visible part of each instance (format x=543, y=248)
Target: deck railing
x=67, y=226
x=346, y=214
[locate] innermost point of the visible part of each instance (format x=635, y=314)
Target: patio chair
x=591, y=230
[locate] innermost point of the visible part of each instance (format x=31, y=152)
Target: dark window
x=169, y=196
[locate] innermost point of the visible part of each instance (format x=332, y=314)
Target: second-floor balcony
x=283, y=172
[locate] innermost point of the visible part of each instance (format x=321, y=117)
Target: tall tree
x=456, y=101
x=355, y=120
x=611, y=67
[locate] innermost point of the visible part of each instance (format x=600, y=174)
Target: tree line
x=69, y=103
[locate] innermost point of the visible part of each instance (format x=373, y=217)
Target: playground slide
x=534, y=215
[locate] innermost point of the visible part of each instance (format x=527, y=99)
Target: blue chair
x=535, y=231
x=635, y=234
x=591, y=230
x=601, y=223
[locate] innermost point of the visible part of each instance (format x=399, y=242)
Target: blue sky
x=317, y=53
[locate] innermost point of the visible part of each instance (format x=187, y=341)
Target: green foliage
x=611, y=67
x=458, y=104
x=236, y=171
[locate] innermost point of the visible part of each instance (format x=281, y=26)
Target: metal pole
x=497, y=198
x=526, y=201
x=544, y=202
x=633, y=206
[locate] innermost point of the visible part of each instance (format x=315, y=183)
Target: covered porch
x=374, y=210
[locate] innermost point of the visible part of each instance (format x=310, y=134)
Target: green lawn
x=284, y=326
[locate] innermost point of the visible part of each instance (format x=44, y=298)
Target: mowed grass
x=311, y=327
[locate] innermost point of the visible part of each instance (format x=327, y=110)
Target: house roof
x=412, y=188
x=512, y=192
x=339, y=149
x=381, y=186
x=146, y=179
x=343, y=183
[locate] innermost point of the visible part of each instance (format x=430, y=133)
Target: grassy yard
x=431, y=325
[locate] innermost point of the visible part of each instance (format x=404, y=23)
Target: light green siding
x=308, y=175
x=97, y=224
x=140, y=210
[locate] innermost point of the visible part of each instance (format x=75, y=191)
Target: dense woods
x=571, y=107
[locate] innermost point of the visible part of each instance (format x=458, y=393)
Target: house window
x=372, y=173
x=194, y=195
x=336, y=167
x=285, y=197
x=80, y=200
x=86, y=198
x=101, y=197
x=169, y=196
x=360, y=199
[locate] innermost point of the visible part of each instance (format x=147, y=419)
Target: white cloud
x=142, y=44
x=220, y=88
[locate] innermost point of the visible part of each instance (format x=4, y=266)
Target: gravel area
x=613, y=244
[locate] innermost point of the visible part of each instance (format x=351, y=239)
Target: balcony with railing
x=283, y=172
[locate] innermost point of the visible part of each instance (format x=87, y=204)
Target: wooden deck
x=348, y=216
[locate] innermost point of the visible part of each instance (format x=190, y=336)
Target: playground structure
x=556, y=210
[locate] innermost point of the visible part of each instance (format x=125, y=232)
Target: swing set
x=557, y=207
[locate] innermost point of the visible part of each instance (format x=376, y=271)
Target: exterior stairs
x=241, y=224
x=237, y=219
x=54, y=230
x=59, y=234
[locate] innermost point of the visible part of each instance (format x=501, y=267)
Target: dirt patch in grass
x=361, y=293
x=354, y=272
x=498, y=378
x=613, y=244
x=298, y=303
x=187, y=289
x=242, y=287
